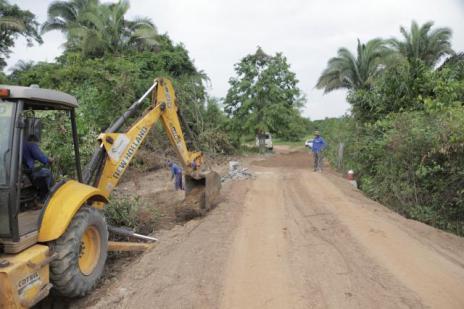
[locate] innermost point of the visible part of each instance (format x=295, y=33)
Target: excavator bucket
x=201, y=195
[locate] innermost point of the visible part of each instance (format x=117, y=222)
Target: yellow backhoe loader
x=63, y=245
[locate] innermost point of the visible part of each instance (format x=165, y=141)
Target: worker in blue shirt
x=176, y=172
x=41, y=178
x=318, y=146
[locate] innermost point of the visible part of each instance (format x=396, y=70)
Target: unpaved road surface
x=292, y=238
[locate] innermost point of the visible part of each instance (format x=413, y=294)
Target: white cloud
x=309, y=32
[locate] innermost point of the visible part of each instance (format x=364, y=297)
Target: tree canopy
x=423, y=43
x=354, y=71
x=15, y=22
x=405, y=135
x=95, y=28
x=264, y=96
x=358, y=72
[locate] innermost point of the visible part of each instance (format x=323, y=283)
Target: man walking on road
x=318, y=146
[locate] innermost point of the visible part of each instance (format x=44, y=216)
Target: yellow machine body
x=62, y=207
x=24, y=277
x=121, y=147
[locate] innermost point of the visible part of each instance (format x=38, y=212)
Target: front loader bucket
x=201, y=194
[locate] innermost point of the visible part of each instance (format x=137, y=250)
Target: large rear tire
x=82, y=252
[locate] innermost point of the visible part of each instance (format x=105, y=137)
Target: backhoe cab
x=27, y=232
x=63, y=244
x=18, y=193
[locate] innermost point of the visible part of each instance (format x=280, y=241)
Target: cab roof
x=50, y=97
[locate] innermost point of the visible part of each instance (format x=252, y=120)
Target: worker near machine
x=42, y=177
x=176, y=173
x=318, y=146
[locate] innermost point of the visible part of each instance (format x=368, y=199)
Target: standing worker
x=176, y=173
x=318, y=146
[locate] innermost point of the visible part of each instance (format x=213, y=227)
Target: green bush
x=411, y=161
x=105, y=87
x=133, y=213
x=405, y=141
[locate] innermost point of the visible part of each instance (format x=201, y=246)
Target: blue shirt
x=175, y=170
x=318, y=144
x=32, y=153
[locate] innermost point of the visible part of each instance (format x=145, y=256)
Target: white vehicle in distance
x=267, y=141
x=309, y=143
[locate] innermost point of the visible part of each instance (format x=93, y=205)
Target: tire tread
x=65, y=275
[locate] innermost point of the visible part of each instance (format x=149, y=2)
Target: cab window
x=6, y=125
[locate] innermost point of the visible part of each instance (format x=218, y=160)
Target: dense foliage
x=354, y=72
x=95, y=29
x=264, y=97
x=106, y=86
x=421, y=42
x=405, y=135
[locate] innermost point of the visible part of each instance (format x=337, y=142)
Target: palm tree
x=12, y=23
x=143, y=34
x=95, y=29
x=354, y=72
x=19, y=67
x=453, y=61
x=424, y=43
x=63, y=15
x=15, y=22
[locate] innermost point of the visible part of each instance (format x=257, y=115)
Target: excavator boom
x=118, y=149
x=67, y=249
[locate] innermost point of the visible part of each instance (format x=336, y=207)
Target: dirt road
x=292, y=238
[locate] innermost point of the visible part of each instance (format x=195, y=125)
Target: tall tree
x=15, y=22
x=423, y=43
x=263, y=96
x=354, y=71
x=64, y=15
x=95, y=29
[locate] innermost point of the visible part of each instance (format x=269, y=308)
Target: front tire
x=82, y=252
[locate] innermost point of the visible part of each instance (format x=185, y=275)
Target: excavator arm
x=74, y=260
x=119, y=148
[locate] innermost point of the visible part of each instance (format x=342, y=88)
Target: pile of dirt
x=156, y=191
x=192, y=206
x=163, y=202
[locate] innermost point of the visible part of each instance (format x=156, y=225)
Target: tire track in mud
x=348, y=276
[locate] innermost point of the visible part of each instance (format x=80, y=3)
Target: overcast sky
x=308, y=32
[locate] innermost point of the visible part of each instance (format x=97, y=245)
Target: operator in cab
x=41, y=178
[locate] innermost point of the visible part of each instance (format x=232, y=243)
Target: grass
x=132, y=212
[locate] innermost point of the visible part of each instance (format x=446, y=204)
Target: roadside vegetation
x=131, y=212
x=405, y=135
x=107, y=63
